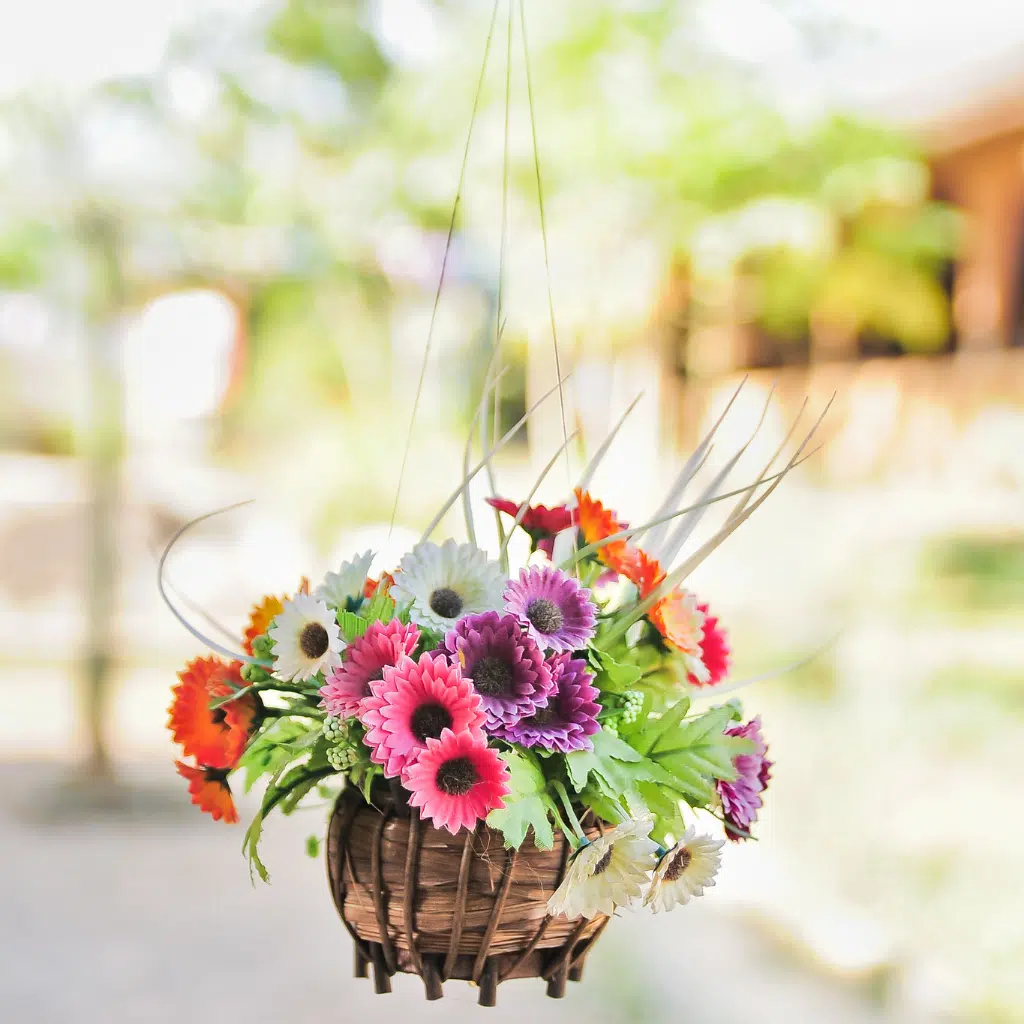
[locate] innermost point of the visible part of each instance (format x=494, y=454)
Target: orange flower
x=382, y=586
x=214, y=737
x=678, y=619
x=210, y=791
x=260, y=618
x=598, y=522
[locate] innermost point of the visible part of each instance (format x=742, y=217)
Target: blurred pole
x=100, y=236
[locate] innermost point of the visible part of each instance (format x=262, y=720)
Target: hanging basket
x=419, y=900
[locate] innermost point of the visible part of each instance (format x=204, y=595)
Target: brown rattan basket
x=419, y=900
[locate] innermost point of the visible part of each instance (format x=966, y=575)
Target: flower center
x=456, y=777
x=492, y=676
x=313, y=640
x=219, y=716
x=446, y=602
x=679, y=864
x=543, y=716
x=428, y=721
x=602, y=865
x=545, y=615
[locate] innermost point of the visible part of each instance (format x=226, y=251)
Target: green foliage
x=613, y=676
x=313, y=846
x=352, y=626
x=381, y=608
x=527, y=806
x=281, y=741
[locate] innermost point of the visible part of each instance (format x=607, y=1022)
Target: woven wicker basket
x=419, y=900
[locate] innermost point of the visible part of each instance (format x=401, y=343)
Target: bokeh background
x=221, y=229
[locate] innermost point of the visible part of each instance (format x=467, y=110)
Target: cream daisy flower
x=684, y=871
x=445, y=583
x=306, y=639
x=607, y=873
x=347, y=583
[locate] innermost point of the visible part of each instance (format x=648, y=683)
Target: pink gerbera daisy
x=714, y=650
x=414, y=703
x=457, y=780
x=366, y=658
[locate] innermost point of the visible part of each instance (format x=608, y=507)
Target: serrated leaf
x=648, y=739
x=665, y=805
x=615, y=676
x=614, y=763
x=352, y=626
x=697, y=748
x=526, y=806
x=280, y=743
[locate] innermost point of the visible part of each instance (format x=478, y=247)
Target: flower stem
x=570, y=813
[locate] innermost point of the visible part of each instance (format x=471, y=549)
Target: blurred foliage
x=976, y=572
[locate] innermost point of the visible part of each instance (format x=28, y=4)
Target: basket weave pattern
x=419, y=900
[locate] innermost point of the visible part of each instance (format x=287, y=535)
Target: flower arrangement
x=555, y=704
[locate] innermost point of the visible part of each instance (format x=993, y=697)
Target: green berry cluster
x=610, y=728
x=342, y=758
x=335, y=730
x=632, y=705
x=262, y=648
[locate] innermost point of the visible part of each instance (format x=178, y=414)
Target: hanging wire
x=444, y=266
x=547, y=261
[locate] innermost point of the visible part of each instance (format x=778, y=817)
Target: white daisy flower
x=444, y=583
x=306, y=639
x=684, y=871
x=339, y=587
x=607, y=873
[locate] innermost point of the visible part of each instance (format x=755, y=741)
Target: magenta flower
x=714, y=650
x=457, y=780
x=570, y=718
x=364, y=662
x=741, y=798
x=415, y=702
x=505, y=665
x=552, y=607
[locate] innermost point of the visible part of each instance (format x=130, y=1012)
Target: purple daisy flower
x=570, y=718
x=552, y=607
x=506, y=666
x=741, y=798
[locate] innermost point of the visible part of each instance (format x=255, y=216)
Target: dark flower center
x=492, y=676
x=456, y=777
x=219, y=716
x=602, y=865
x=680, y=862
x=446, y=602
x=375, y=676
x=428, y=721
x=543, y=716
x=313, y=640
x=545, y=615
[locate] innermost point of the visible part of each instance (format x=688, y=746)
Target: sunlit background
x=221, y=230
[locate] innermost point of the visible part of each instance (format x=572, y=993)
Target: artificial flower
x=372, y=587
x=457, y=780
x=714, y=651
x=678, y=618
x=215, y=737
x=443, y=583
x=260, y=618
x=210, y=791
x=553, y=608
x=415, y=702
x=606, y=873
x=306, y=639
x=364, y=662
x=570, y=717
x=347, y=584
x=505, y=665
x=597, y=522
x=741, y=798
x=684, y=871
x=539, y=521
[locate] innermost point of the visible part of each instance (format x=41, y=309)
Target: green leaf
x=648, y=738
x=380, y=609
x=615, y=765
x=614, y=676
x=526, y=806
x=313, y=846
x=280, y=743
x=352, y=626
x=665, y=805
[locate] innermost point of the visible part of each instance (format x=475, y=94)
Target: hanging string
x=444, y=267
x=547, y=261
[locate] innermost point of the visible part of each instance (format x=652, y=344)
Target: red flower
x=539, y=521
x=714, y=650
x=210, y=791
